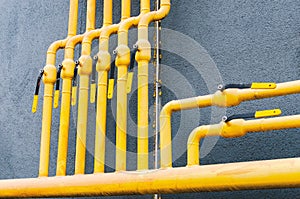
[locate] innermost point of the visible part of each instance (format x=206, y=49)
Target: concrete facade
x=239, y=41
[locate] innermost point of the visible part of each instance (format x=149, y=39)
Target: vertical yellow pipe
x=143, y=57
x=122, y=62
x=67, y=75
x=84, y=73
x=103, y=66
x=49, y=80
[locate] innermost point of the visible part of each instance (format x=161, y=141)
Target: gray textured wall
x=248, y=40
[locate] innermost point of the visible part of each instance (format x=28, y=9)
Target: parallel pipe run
x=84, y=72
x=103, y=66
x=269, y=174
x=49, y=80
x=227, y=98
x=67, y=76
x=122, y=62
x=236, y=128
x=143, y=57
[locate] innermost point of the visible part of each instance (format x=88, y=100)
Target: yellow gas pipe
x=49, y=80
x=84, y=72
x=236, y=128
x=103, y=66
x=122, y=62
x=67, y=76
x=227, y=98
x=269, y=174
x=143, y=57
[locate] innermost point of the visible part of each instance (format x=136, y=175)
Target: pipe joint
x=49, y=74
x=144, y=51
x=68, y=69
x=104, y=60
x=233, y=129
x=123, y=56
x=227, y=98
x=85, y=65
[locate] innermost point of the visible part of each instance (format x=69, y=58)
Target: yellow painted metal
x=35, y=103
x=143, y=57
x=111, y=84
x=49, y=80
x=67, y=75
x=83, y=95
x=129, y=82
x=270, y=174
x=227, y=98
x=56, y=99
x=103, y=66
x=267, y=113
x=93, y=93
x=236, y=128
x=260, y=85
x=122, y=62
x=74, y=95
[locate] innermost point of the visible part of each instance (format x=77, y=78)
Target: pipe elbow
x=156, y=15
x=90, y=36
x=128, y=23
x=123, y=56
x=146, y=19
x=227, y=98
x=85, y=65
x=72, y=42
x=104, y=60
x=196, y=135
x=55, y=46
x=144, y=51
x=233, y=129
x=162, y=12
x=168, y=109
x=108, y=31
x=68, y=69
x=49, y=74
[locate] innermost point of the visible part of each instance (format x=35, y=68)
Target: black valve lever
x=93, y=90
x=257, y=114
x=57, y=86
x=74, y=84
x=254, y=85
x=131, y=67
x=36, y=92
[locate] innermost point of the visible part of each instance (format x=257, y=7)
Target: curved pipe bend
x=236, y=128
x=227, y=98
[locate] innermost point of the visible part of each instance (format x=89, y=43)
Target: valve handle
x=93, y=90
x=111, y=82
x=131, y=67
x=36, y=92
x=74, y=85
x=254, y=85
x=57, y=86
x=257, y=114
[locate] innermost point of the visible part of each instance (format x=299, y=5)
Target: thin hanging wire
x=157, y=87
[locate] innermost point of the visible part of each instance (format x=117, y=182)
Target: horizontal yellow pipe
x=49, y=80
x=227, y=98
x=236, y=128
x=269, y=174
